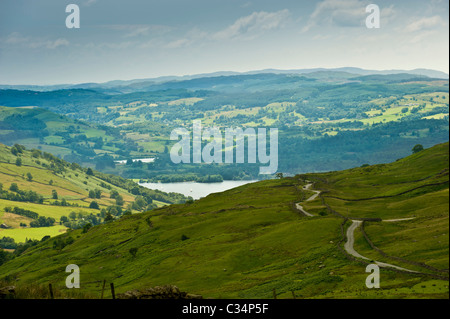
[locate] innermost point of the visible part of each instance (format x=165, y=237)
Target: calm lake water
x=194, y=189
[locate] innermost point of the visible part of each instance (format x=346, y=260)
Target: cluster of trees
x=115, y=195
x=135, y=189
x=141, y=203
x=17, y=149
x=38, y=221
x=15, y=194
x=80, y=220
x=97, y=193
x=22, y=212
x=7, y=243
x=19, y=248
x=59, y=243
x=42, y=221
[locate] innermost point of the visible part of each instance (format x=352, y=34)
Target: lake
x=194, y=189
x=143, y=160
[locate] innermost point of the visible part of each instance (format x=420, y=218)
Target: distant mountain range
x=111, y=86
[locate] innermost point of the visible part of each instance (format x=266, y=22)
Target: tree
x=18, y=161
x=114, y=193
x=417, y=148
x=90, y=171
x=119, y=200
x=108, y=217
x=14, y=187
x=73, y=215
x=139, y=203
x=94, y=205
x=54, y=194
x=86, y=227
x=14, y=151
x=4, y=256
x=127, y=213
x=279, y=175
x=113, y=211
x=63, y=219
x=29, y=177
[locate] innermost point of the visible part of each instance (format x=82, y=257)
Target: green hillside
x=251, y=241
x=35, y=184
x=340, y=119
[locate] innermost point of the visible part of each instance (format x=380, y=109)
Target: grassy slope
x=68, y=185
x=383, y=191
x=245, y=242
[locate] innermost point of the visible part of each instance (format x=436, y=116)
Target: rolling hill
x=340, y=119
x=41, y=183
x=252, y=241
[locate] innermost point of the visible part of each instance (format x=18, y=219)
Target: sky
x=136, y=39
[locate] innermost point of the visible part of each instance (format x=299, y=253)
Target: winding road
x=349, y=245
x=350, y=249
x=313, y=197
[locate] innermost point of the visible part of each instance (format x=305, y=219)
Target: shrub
x=94, y=205
x=14, y=187
x=417, y=148
x=86, y=227
x=133, y=251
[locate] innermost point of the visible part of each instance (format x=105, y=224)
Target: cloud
x=336, y=12
x=253, y=25
x=421, y=36
x=343, y=13
x=247, y=27
x=178, y=43
x=88, y=3
x=111, y=45
x=425, y=24
x=137, y=30
x=56, y=43
x=15, y=39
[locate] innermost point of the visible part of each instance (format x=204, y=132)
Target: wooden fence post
x=51, y=291
x=274, y=293
x=103, y=288
x=112, y=291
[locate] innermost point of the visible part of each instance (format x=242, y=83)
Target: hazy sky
x=142, y=39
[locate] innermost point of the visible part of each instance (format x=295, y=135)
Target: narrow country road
x=313, y=197
x=349, y=245
x=351, y=250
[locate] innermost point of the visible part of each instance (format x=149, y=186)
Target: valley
x=362, y=179
x=250, y=240
x=340, y=119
